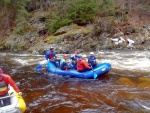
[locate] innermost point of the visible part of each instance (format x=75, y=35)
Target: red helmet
x=1, y=71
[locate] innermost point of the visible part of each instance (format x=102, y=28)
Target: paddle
x=95, y=75
x=39, y=67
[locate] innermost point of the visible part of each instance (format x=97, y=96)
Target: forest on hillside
x=15, y=14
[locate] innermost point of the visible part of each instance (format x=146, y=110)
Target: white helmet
x=84, y=56
x=91, y=53
x=51, y=48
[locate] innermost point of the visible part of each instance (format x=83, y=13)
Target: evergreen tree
x=12, y=10
x=21, y=17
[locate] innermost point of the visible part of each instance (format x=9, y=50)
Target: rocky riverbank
x=119, y=27
x=88, y=38
x=92, y=37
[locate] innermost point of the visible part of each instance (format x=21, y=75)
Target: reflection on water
x=126, y=88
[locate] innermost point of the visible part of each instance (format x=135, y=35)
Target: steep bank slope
x=102, y=34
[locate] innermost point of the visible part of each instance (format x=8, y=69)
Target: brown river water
x=125, y=89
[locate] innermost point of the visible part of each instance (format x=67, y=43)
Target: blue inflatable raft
x=99, y=70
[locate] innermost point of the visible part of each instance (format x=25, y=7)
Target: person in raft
x=51, y=57
x=5, y=81
x=51, y=54
x=82, y=64
x=74, y=58
x=92, y=60
x=64, y=63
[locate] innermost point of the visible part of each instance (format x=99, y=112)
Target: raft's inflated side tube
x=17, y=103
x=99, y=70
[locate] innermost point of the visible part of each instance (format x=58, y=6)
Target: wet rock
x=35, y=52
x=42, y=19
x=143, y=79
x=119, y=34
x=130, y=43
x=144, y=85
x=63, y=30
x=59, y=32
x=70, y=38
x=42, y=32
x=129, y=31
x=126, y=81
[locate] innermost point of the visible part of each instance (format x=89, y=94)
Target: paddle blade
x=95, y=75
x=38, y=68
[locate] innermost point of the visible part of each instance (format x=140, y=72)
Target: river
x=126, y=88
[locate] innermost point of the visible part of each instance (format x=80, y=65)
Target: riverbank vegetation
x=57, y=13
x=21, y=18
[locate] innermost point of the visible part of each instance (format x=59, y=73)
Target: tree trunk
x=41, y=5
x=7, y=24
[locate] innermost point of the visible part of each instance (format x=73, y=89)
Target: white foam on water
x=16, y=54
x=144, y=104
x=20, y=61
x=122, y=60
x=130, y=60
x=25, y=61
x=148, y=108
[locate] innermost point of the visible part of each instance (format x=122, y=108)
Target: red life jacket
x=81, y=65
x=51, y=55
x=7, y=80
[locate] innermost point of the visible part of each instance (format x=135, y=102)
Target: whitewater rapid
x=122, y=60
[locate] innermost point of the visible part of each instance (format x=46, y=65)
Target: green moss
x=75, y=26
x=51, y=39
x=8, y=46
x=2, y=43
x=1, y=47
x=19, y=47
x=136, y=30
